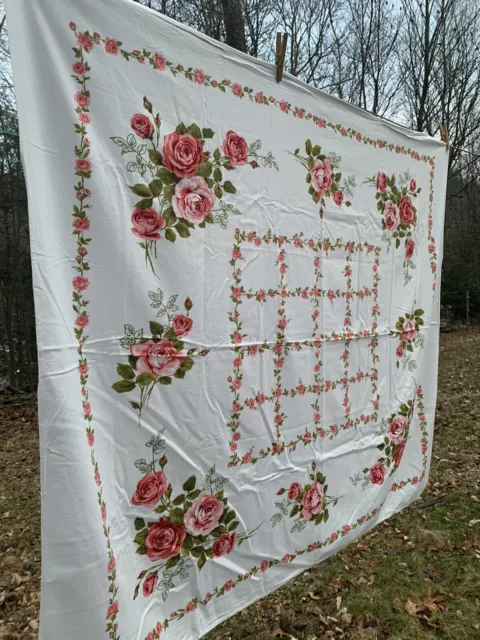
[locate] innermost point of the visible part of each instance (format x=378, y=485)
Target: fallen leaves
x=425, y=606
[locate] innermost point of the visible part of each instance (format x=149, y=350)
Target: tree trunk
x=234, y=24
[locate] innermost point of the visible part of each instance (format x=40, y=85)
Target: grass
x=415, y=577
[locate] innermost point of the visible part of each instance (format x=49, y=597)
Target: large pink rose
x=204, y=515
x=312, y=502
x=224, y=544
x=235, y=148
x=150, y=489
x=321, y=176
x=409, y=331
x=193, y=200
x=181, y=325
x=158, y=358
x=164, y=540
x=294, y=491
x=382, y=182
x=147, y=224
x=391, y=215
x=407, y=214
x=377, y=473
x=396, y=429
x=409, y=249
x=150, y=584
x=398, y=453
x=182, y=153
x=141, y=125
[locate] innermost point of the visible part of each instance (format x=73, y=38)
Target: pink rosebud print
x=112, y=610
x=247, y=458
x=149, y=585
x=147, y=224
x=399, y=351
x=283, y=106
x=263, y=566
x=237, y=338
x=111, y=46
x=286, y=558
x=90, y=439
x=260, y=98
x=158, y=358
x=407, y=214
x=81, y=321
x=413, y=185
x=72, y=26
x=87, y=409
x=199, y=76
x=409, y=249
x=204, y=515
x=398, y=452
x=224, y=545
x=235, y=148
x=181, y=325
x=164, y=540
x=142, y=126
x=150, y=489
x=409, y=331
x=321, y=176
x=237, y=89
x=190, y=607
x=396, y=429
x=377, y=473
x=338, y=197
x=159, y=62
x=83, y=165
x=313, y=501
x=111, y=564
x=294, y=491
x=391, y=215
x=80, y=283
x=382, y=182
x=83, y=369
x=358, y=137
x=193, y=200
x=103, y=512
x=228, y=585
x=159, y=628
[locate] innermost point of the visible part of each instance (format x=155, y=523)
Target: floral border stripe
x=80, y=283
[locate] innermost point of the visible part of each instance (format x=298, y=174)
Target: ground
x=417, y=576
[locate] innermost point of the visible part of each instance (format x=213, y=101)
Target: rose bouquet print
x=192, y=527
x=238, y=279
x=186, y=181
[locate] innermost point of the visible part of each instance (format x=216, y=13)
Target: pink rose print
x=158, y=358
x=413, y=185
x=90, y=439
x=147, y=224
x=142, y=126
x=264, y=566
x=83, y=165
x=182, y=153
x=224, y=544
x=377, y=473
x=399, y=351
x=321, y=176
x=79, y=68
x=235, y=148
x=193, y=200
x=181, y=325
x=397, y=428
x=150, y=489
x=338, y=197
x=190, y=607
x=407, y=213
x=398, y=453
x=111, y=564
x=80, y=283
x=391, y=215
x=237, y=89
x=164, y=540
x=382, y=182
x=81, y=321
x=294, y=491
x=228, y=585
x=85, y=118
x=409, y=331
x=199, y=76
x=312, y=502
x=111, y=46
x=159, y=62
x=204, y=515
x=150, y=584
x=112, y=610
x=409, y=249
x=84, y=42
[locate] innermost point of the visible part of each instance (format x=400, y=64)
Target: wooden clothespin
x=280, y=53
x=444, y=135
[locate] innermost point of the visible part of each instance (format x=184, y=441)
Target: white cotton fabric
x=277, y=413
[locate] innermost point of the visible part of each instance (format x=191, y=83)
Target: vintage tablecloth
x=236, y=288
